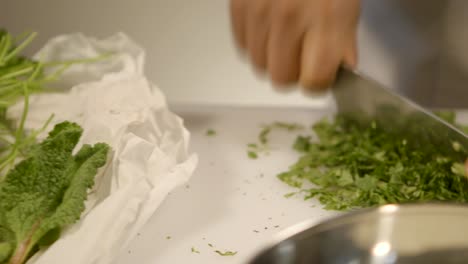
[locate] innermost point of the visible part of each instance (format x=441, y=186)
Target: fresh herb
x=252, y=145
x=46, y=192
x=289, y=195
x=210, y=133
x=252, y=155
x=226, y=253
x=210, y=245
x=450, y=117
x=263, y=136
x=265, y=132
x=19, y=78
x=351, y=166
x=194, y=250
x=262, y=146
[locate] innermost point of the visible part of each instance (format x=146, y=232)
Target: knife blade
x=365, y=100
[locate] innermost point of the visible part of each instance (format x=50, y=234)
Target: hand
x=301, y=41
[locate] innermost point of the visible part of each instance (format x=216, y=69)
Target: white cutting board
x=229, y=195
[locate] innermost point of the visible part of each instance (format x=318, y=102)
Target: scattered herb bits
x=194, y=250
x=210, y=133
x=226, y=253
x=253, y=149
x=252, y=155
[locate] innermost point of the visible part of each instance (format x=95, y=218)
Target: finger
x=238, y=9
x=350, y=54
x=257, y=33
x=284, y=47
x=321, y=57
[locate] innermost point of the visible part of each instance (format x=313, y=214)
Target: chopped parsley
x=252, y=155
x=265, y=132
x=450, y=117
x=289, y=195
x=351, y=166
x=210, y=132
x=194, y=250
x=253, y=149
x=226, y=253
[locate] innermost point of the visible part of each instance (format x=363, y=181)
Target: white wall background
x=191, y=55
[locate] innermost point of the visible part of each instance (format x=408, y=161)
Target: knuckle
x=286, y=12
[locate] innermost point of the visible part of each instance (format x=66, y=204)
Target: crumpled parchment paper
x=114, y=103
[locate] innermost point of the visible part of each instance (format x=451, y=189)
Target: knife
x=365, y=100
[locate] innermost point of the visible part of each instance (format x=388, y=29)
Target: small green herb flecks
x=194, y=250
x=252, y=155
x=210, y=245
x=265, y=132
x=289, y=195
x=252, y=145
x=210, y=133
x=263, y=137
x=226, y=253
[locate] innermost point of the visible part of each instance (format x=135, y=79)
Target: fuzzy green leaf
x=46, y=192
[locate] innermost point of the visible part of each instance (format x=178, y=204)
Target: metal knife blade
x=364, y=99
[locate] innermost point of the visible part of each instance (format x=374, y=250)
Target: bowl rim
x=387, y=209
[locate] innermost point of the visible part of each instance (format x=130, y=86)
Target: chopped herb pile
x=46, y=192
x=350, y=167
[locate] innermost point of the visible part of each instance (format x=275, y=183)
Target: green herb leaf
x=46, y=191
x=194, y=250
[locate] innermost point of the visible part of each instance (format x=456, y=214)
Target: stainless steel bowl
x=423, y=233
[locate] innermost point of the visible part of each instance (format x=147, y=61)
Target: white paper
x=114, y=103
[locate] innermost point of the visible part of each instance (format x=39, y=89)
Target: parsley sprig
x=19, y=78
